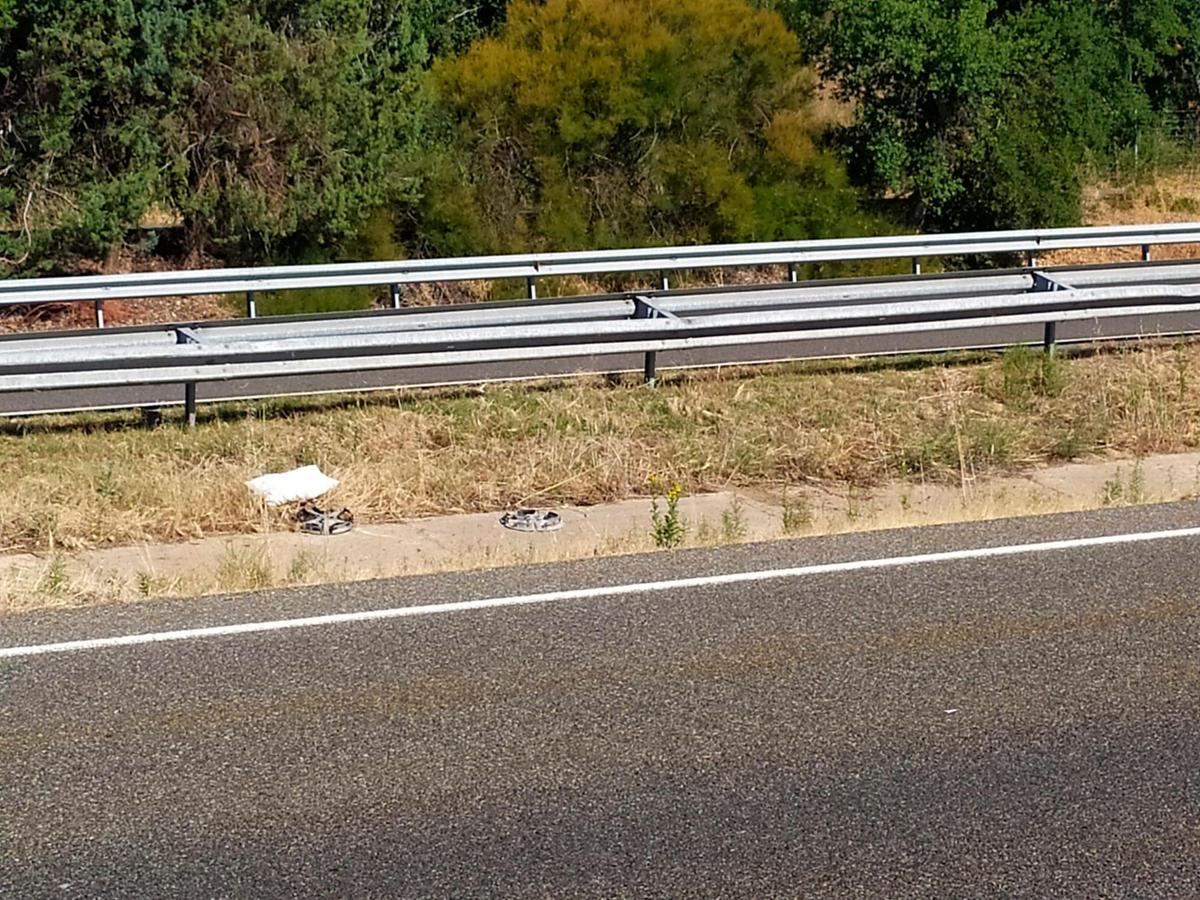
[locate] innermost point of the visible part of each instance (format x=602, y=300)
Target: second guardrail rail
x=645, y=324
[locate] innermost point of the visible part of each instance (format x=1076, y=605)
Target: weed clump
x=733, y=522
x=797, y=513
x=1028, y=374
x=668, y=528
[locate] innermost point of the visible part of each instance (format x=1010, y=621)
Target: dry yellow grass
x=1170, y=196
x=104, y=479
x=60, y=582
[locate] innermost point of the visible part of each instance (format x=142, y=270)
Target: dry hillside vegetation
x=1172, y=196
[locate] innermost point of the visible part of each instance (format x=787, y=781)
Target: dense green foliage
x=596, y=123
x=982, y=112
x=263, y=124
x=288, y=129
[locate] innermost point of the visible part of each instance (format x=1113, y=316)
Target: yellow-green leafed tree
x=594, y=123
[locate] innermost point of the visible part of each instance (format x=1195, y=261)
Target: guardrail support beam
x=99, y=313
x=1043, y=282
x=664, y=283
x=644, y=309
x=531, y=288
x=793, y=275
x=397, y=296
x=251, y=306
x=1145, y=253
x=916, y=266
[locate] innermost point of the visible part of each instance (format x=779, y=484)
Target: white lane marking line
x=594, y=592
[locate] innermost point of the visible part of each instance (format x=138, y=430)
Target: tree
x=980, y=113
x=612, y=122
x=77, y=146
x=281, y=137
x=271, y=128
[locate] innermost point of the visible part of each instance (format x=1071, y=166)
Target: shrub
x=601, y=123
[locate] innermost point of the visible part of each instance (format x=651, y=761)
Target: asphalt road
x=1016, y=725
x=20, y=403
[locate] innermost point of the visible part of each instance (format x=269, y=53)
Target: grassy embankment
x=104, y=479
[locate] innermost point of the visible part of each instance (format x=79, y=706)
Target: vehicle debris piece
x=531, y=520
x=304, y=483
x=314, y=520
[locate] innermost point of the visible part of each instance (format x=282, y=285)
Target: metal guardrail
x=645, y=324
x=96, y=289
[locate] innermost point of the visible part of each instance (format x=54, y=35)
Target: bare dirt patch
x=160, y=310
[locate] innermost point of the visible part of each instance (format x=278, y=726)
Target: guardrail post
x=916, y=266
x=664, y=283
x=650, y=369
x=397, y=298
x=1145, y=253
x=99, y=313
x=531, y=288
x=793, y=275
x=251, y=306
x=642, y=310
x=1048, y=338
x=189, y=403
x=1033, y=260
